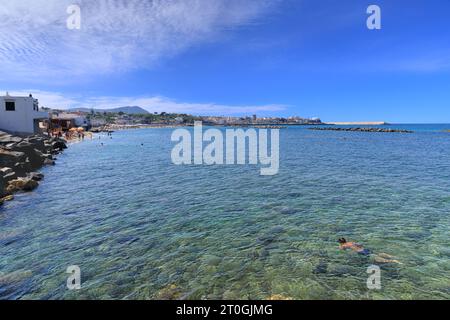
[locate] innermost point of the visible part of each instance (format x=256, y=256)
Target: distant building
x=179, y=120
x=21, y=115
x=124, y=120
x=98, y=122
x=315, y=120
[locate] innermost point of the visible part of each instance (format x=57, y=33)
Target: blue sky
x=269, y=57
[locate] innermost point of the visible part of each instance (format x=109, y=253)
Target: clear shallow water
x=142, y=228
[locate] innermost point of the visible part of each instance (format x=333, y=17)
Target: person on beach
x=358, y=248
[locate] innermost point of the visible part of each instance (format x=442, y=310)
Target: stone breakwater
x=363, y=130
x=20, y=158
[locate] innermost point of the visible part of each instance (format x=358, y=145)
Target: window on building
x=10, y=106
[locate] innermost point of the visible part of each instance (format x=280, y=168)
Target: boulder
x=5, y=171
x=2, y=187
x=37, y=142
x=36, y=176
x=7, y=138
x=9, y=158
x=35, y=157
x=22, y=168
x=10, y=176
x=49, y=162
x=21, y=184
x=59, y=145
x=21, y=157
x=48, y=156
x=6, y=198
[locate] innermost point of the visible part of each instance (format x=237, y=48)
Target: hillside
x=128, y=110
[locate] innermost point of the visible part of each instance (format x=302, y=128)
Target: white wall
x=20, y=121
x=81, y=122
x=98, y=122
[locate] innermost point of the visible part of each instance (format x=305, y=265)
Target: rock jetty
x=361, y=130
x=20, y=158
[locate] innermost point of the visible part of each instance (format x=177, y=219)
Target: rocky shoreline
x=20, y=158
x=362, y=130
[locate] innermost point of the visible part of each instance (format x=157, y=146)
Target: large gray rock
x=7, y=174
x=35, y=157
x=5, y=171
x=23, y=168
x=21, y=157
x=6, y=138
x=2, y=188
x=37, y=142
x=59, y=145
x=9, y=158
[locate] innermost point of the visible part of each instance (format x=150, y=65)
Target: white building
x=98, y=122
x=20, y=115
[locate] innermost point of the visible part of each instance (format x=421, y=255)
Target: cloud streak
x=115, y=35
x=159, y=104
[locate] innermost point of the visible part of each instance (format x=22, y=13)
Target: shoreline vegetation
x=20, y=160
x=112, y=128
x=141, y=118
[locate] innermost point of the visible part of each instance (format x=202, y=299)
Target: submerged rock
x=7, y=238
x=212, y=260
x=270, y=236
x=288, y=211
x=14, y=277
x=322, y=267
x=342, y=271
x=171, y=292
x=279, y=297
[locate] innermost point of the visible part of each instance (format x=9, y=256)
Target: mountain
x=128, y=110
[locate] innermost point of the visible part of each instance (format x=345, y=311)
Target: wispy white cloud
x=150, y=103
x=115, y=35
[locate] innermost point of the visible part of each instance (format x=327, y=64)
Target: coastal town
x=31, y=136
x=23, y=115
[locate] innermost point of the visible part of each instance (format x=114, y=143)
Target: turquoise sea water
x=140, y=227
